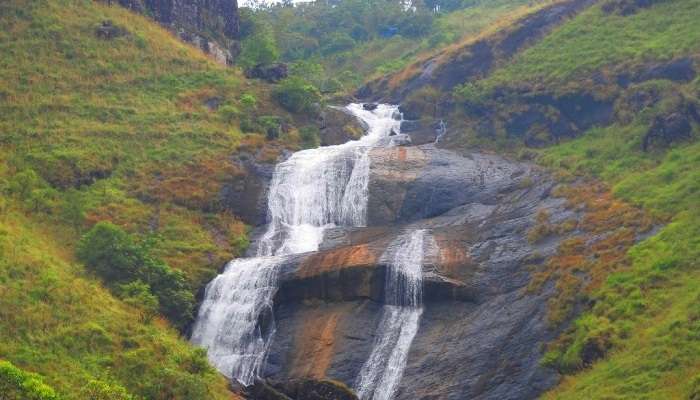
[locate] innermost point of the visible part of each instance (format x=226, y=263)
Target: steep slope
x=611, y=94
x=106, y=116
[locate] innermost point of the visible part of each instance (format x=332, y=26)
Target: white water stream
x=311, y=191
x=381, y=374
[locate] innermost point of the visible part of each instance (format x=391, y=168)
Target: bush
x=271, y=125
x=260, y=48
x=117, y=258
x=296, y=95
x=248, y=101
x=229, y=113
x=309, y=136
x=139, y=295
x=97, y=390
x=16, y=384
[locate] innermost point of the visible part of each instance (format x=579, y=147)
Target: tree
x=296, y=95
x=110, y=252
x=139, y=295
x=16, y=384
x=127, y=265
x=260, y=48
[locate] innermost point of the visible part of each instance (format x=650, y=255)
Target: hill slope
x=611, y=94
x=105, y=116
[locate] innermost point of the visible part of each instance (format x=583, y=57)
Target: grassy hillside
x=136, y=129
x=644, y=319
x=352, y=42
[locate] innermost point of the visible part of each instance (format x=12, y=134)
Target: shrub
x=296, y=95
x=259, y=48
x=248, y=101
x=16, y=384
x=97, y=390
x=229, y=113
x=309, y=136
x=117, y=258
x=271, y=125
x=139, y=295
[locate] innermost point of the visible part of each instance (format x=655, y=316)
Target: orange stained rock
x=337, y=259
x=402, y=154
x=453, y=258
x=315, y=344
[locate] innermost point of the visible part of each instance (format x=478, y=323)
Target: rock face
x=272, y=73
x=336, y=126
x=246, y=194
x=212, y=25
x=482, y=332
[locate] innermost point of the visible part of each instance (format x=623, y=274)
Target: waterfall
x=311, y=191
x=381, y=374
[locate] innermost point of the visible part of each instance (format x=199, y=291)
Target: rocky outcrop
x=108, y=31
x=272, y=73
x=336, y=126
x=211, y=25
x=246, y=194
x=482, y=333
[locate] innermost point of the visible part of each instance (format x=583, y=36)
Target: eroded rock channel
x=480, y=332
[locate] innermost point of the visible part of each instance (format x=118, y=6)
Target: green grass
x=645, y=314
x=594, y=41
x=382, y=56
x=59, y=322
x=117, y=130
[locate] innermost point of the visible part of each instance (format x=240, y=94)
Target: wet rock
x=391, y=169
x=245, y=195
x=370, y=106
x=311, y=389
x=423, y=132
x=338, y=126
x=272, y=73
x=410, y=111
x=476, y=309
x=261, y=390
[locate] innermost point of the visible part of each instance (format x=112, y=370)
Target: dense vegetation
x=336, y=46
x=135, y=131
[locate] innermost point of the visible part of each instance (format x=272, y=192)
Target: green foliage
x=357, y=39
x=248, y=101
x=97, y=390
x=16, y=384
x=259, y=48
x=310, y=136
x=229, y=113
x=271, y=125
x=139, y=295
x=296, y=95
x=575, y=48
x=116, y=257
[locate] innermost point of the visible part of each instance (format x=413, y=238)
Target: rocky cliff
x=211, y=25
x=482, y=333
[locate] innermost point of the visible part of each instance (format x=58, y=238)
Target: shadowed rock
x=477, y=313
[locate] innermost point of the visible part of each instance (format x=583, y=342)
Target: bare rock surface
x=482, y=332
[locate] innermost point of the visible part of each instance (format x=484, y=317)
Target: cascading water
x=381, y=374
x=313, y=190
